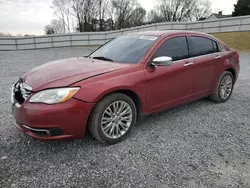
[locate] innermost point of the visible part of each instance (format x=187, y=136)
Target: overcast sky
x=30, y=16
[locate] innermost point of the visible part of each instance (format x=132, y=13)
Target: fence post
x=88, y=39
x=70, y=38
x=220, y=26
x=34, y=39
x=240, y=23
x=16, y=44
x=52, y=42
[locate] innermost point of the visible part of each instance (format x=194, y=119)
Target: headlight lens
x=54, y=96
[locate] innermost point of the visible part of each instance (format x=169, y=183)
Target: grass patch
x=236, y=40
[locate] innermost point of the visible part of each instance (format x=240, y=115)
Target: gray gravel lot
x=202, y=144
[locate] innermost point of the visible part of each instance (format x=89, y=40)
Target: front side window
x=176, y=48
x=202, y=46
x=125, y=49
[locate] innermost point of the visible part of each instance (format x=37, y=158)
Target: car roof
x=167, y=32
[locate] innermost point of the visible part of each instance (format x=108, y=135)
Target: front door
x=168, y=86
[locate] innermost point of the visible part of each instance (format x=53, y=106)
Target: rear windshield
x=126, y=49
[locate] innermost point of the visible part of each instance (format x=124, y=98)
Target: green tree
x=242, y=8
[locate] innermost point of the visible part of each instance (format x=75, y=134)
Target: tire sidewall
x=218, y=86
x=101, y=107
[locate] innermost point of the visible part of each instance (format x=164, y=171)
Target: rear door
x=206, y=57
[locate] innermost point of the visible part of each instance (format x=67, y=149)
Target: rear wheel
x=112, y=118
x=224, y=88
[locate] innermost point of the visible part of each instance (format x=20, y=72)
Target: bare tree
x=91, y=13
x=179, y=10
x=102, y=15
x=49, y=30
x=154, y=16
x=203, y=9
x=123, y=10
x=62, y=9
x=55, y=27
x=78, y=12
x=85, y=11
x=5, y=35
x=98, y=15
x=104, y=9
x=138, y=16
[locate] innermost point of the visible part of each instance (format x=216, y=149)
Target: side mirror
x=162, y=61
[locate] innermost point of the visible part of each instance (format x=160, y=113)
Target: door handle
x=217, y=57
x=188, y=64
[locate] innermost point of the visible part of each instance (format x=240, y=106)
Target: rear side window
x=215, y=45
x=177, y=48
x=203, y=46
x=221, y=48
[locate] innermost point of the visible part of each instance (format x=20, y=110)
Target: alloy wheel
x=226, y=87
x=116, y=119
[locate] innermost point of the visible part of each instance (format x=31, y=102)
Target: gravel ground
x=202, y=144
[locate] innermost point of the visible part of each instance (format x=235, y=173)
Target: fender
x=128, y=79
x=226, y=65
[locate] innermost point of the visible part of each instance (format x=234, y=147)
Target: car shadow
x=179, y=110
x=146, y=129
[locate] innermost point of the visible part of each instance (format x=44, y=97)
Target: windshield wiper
x=103, y=58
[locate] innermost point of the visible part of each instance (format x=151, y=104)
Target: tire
x=217, y=96
x=101, y=115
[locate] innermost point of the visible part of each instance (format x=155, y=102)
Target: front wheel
x=112, y=118
x=224, y=88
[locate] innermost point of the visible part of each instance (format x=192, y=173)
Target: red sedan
x=106, y=92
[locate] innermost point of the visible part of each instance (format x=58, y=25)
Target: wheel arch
x=131, y=94
x=233, y=73
x=135, y=98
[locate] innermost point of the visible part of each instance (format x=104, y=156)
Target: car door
x=168, y=86
x=206, y=58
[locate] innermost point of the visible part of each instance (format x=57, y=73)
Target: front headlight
x=54, y=96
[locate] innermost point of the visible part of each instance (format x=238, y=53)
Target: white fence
x=99, y=38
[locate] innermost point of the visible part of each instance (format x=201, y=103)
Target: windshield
x=125, y=49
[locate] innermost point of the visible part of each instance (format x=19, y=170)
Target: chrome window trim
x=195, y=57
x=179, y=61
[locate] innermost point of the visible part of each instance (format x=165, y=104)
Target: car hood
x=62, y=73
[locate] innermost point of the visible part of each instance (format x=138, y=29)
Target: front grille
x=21, y=91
